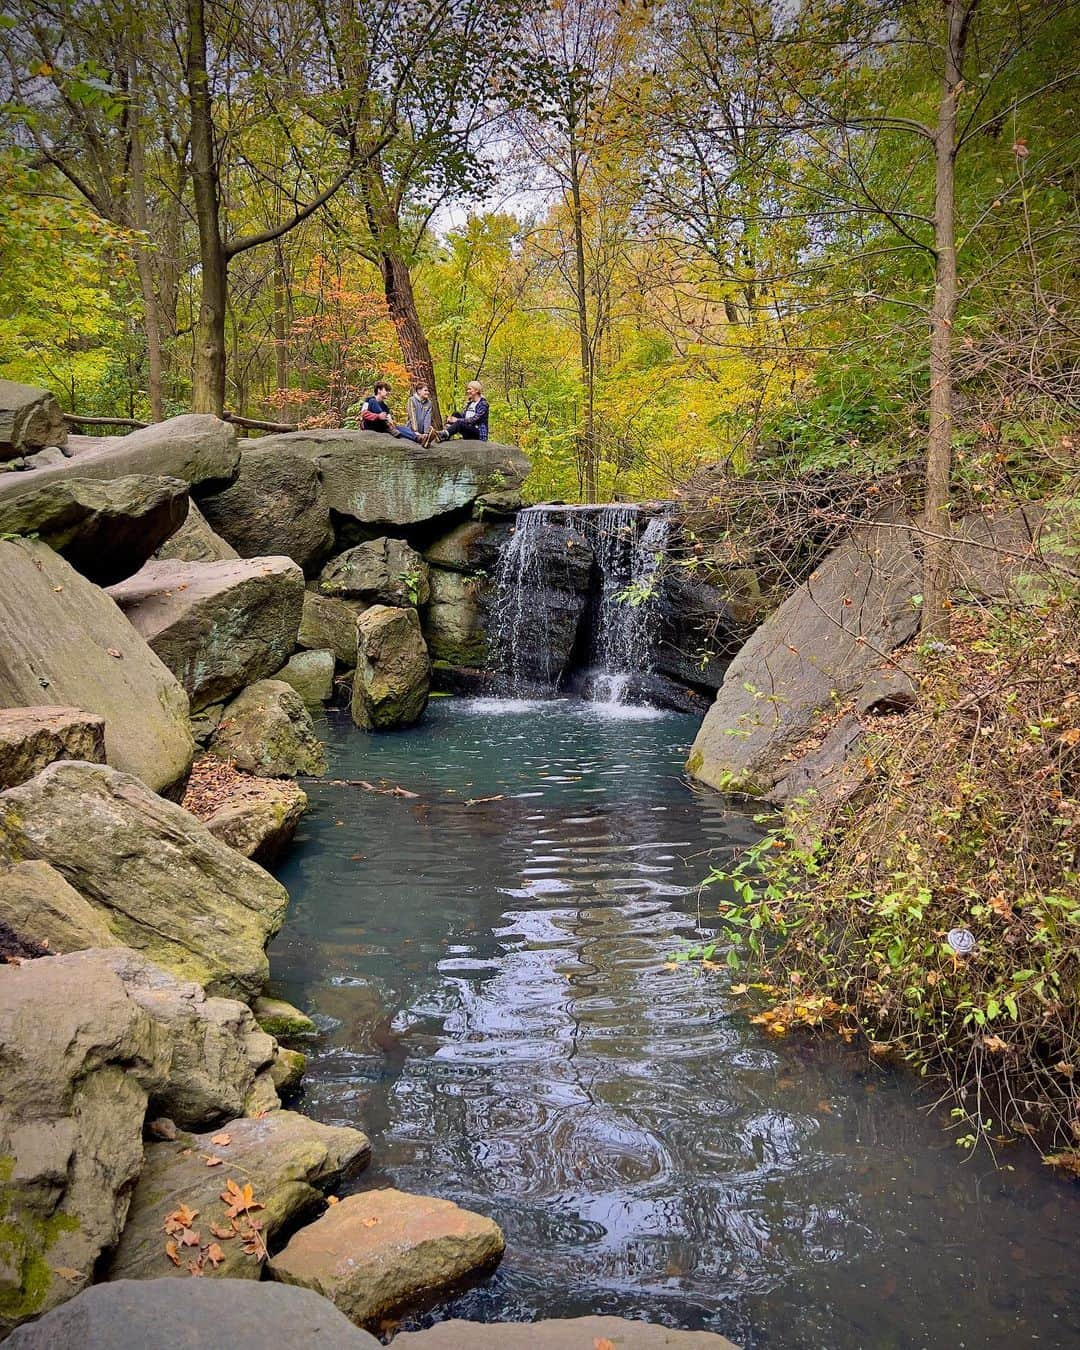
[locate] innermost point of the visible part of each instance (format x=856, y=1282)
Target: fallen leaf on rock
x=68, y=1273
x=113, y=651
x=215, y=1255
x=602, y=1343
x=332, y=1200
x=214, y=1162
x=189, y=1238
x=370, y=1222
x=181, y=1218
x=224, y=1233
x=172, y=1252
x=221, y=1140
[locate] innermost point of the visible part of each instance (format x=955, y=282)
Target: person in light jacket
x=472, y=422
x=418, y=415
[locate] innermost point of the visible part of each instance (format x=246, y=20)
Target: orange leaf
x=214, y=1162
x=221, y=1140
x=215, y=1255
x=172, y=1252
x=370, y=1222
x=223, y=1233
x=602, y=1343
x=189, y=1238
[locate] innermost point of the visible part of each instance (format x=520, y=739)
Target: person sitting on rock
x=418, y=415
x=376, y=415
x=472, y=422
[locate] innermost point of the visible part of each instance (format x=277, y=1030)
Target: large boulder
x=195, y=541
x=276, y=505
x=197, y=447
x=260, y=825
x=330, y=624
x=381, y=1250
x=381, y=571
x=63, y=641
x=30, y=419
x=381, y=480
x=267, y=730
x=162, y=882
x=473, y=546
x=40, y=906
x=105, y=530
x=195, y=1315
x=78, y=1060
x=817, y=648
x=217, y=1050
x=286, y=1159
x=30, y=738
x=453, y=622
x=217, y=626
x=393, y=672
x=557, y=1333
x=701, y=626
x=311, y=674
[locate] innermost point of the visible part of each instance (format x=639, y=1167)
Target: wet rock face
x=106, y=530
x=217, y=626
x=161, y=881
x=700, y=630
x=381, y=1250
x=81, y=652
x=275, y=505
x=393, y=672
x=382, y=571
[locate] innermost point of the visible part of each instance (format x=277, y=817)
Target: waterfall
x=575, y=595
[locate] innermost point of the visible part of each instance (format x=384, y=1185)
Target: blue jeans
x=409, y=434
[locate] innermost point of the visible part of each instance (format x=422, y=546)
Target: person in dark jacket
x=472, y=422
x=376, y=414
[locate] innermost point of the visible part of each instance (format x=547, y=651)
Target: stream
x=487, y=963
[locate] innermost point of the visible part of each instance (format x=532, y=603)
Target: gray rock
x=278, y=1018
x=384, y=481
x=890, y=690
x=29, y=419
x=217, y=1050
x=43, y=459
x=559, y=1333
x=79, y=1059
x=1013, y=554
x=817, y=648
x=195, y=541
x=205, y=722
x=311, y=674
x=276, y=505
x=559, y=584
x=472, y=546
x=161, y=881
x=416, y=1246
x=287, y=1070
x=267, y=730
x=260, y=826
x=329, y=624
x=393, y=673
x=195, y=1315
x=453, y=622
x=382, y=571
x=30, y=738
x=106, y=530
x=79, y=650
x=197, y=447
x=39, y=905
x=288, y=1160
x=700, y=630
x=217, y=626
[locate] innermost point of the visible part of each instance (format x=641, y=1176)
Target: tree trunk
x=588, y=420
x=281, y=319
x=208, y=384
x=143, y=265
x=415, y=353
x=937, y=569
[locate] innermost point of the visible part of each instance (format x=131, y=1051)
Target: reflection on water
x=487, y=962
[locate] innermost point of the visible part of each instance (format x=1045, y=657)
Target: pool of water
x=485, y=952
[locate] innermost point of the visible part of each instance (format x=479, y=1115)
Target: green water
x=489, y=976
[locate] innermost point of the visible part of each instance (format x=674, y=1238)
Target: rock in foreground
x=381, y=571
x=267, y=730
x=30, y=419
x=217, y=626
x=393, y=673
x=559, y=1333
x=39, y=905
x=161, y=881
x=31, y=738
x=196, y=1315
x=381, y=1250
x=82, y=652
x=288, y=1161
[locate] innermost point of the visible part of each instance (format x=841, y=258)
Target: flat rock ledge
x=559, y=1333
x=31, y=738
x=255, y=816
x=382, y=1250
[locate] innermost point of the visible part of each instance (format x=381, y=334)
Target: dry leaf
x=221, y=1140
x=602, y=1343
x=215, y=1255
x=370, y=1222
x=68, y=1273
x=332, y=1200
x=115, y=652
x=172, y=1252
x=224, y=1233
x=214, y=1161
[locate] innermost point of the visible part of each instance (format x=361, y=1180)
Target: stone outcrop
x=288, y=1160
x=701, y=627
x=30, y=419
x=275, y=505
x=814, y=651
x=267, y=730
x=381, y=571
x=30, y=738
x=287, y=1071
x=40, y=906
x=378, y=1251
x=260, y=825
x=453, y=622
x=79, y=1059
x=278, y=1018
x=195, y=541
x=472, y=546
x=198, y=448
x=393, y=673
x=164, y=885
x=80, y=651
x=564, y=568
x=311, y=674
x=329, y=624
x=137, y=1314
x=380, y=480
x=559, y=1333
x=217, y=626
x=105, y=530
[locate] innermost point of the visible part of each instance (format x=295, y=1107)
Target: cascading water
x=575, y=586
